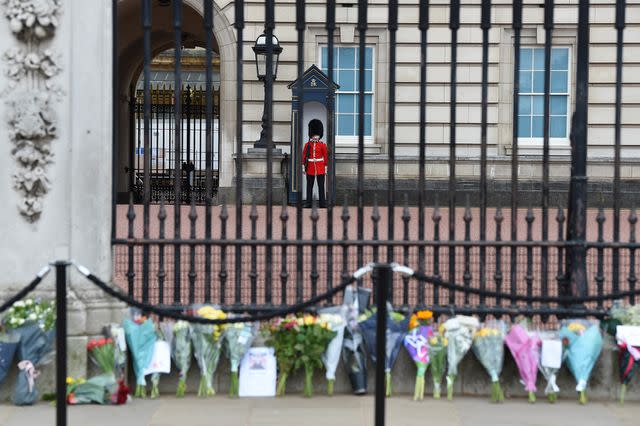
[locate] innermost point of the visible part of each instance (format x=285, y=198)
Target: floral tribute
x=459, y=332
x=103, y=354
x=438, y=359
x=583, y=342
x=33, y=324
x=207, y=345
x=488, y=346
x=417, y=344
x=525, y=349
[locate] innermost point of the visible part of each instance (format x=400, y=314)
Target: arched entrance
x=130, y=154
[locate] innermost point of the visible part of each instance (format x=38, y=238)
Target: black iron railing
x=512, y=249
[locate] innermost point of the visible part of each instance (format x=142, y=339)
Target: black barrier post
x=384, y=276
x=61, y=342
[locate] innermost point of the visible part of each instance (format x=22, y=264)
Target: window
x=531, y=95
x=346, y=75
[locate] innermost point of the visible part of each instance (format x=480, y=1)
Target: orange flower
x=424, y=315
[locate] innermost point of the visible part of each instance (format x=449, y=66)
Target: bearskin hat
x=315, y=128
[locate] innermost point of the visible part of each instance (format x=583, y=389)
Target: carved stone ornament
x=29, y=98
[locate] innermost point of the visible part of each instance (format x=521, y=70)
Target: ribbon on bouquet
x=31, y=372
x=635, y=352
x=552, y=387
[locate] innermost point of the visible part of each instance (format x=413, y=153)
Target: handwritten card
x=630, y=334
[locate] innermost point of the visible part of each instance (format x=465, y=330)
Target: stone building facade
x=72, y=218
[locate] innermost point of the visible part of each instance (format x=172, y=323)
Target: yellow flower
x=433, y=340
x=576, y=327
x=309, y=320
x=300, y=321
x=445, y=341
x=424, y=315
x=324, y=325
x=70, y=380
x=413, y=322
x=441, y=329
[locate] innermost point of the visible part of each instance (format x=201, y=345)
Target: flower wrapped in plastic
x=627, y=367
x=207, y=345
x=583, y=342
x=239, y=338
x=116, y=333
x=141, y=338
x=8, y=345
x=181, y=353
x=97, y=390
x=164, y=333
x=417, y=344
x=459, y=333
x=335, y=317
x=551, y=357
x=356, y=301
x=488, y=346
x=312, y=340
x=437, y=360
x=395, y=332
x=33, y=324
x=103, y=354
x=283, y=335
x=525, y=349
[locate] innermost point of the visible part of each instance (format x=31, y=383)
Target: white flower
x=13, y=321
x=19, y=304
x=28, y=302
x=33, y=317
x=21, y=321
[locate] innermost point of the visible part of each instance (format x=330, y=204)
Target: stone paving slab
x=338, y=410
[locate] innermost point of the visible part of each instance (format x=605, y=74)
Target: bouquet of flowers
x=239, y=337
x=626, y=369
x=459, y=333
x=354, y=358
x=283, y=335
x=437, y=359
x=624, y=324
x=550, y=361
x=311, y=342
x=116, y=333
x=141, y=338
x=96, y=390
x=181, y=353
x=34, y=325
x=335, y=317
x=8, y=345
x=417, y=344
x=207, y=345
x=396, y=330
x=525, y=349
x=103, y=354
x=488, y=346
x=583, y=343
x=164, y=334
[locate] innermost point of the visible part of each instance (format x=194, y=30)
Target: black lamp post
x=260, y=50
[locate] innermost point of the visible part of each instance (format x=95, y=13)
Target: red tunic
x=315, y=157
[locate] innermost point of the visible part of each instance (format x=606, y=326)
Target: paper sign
x=630, y=334
x=258, y=373
x=161, y=360
x=120, y=339
x=551, y=355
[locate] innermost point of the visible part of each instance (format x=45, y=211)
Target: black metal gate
x=162, y=146
x=250, y=257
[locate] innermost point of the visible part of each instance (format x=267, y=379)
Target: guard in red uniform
x=315, y=160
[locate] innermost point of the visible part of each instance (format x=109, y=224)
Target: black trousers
x=310, y=180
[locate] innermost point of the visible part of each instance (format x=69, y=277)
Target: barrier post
x=61, y=342
x=383, y=282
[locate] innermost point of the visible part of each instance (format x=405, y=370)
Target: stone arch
x=131, y=59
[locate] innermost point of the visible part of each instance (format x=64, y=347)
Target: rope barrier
x=199, y=320
x=542, y=299
x=26, y=290
x=418, y=276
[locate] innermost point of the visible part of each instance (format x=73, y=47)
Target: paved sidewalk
x=336, y=411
